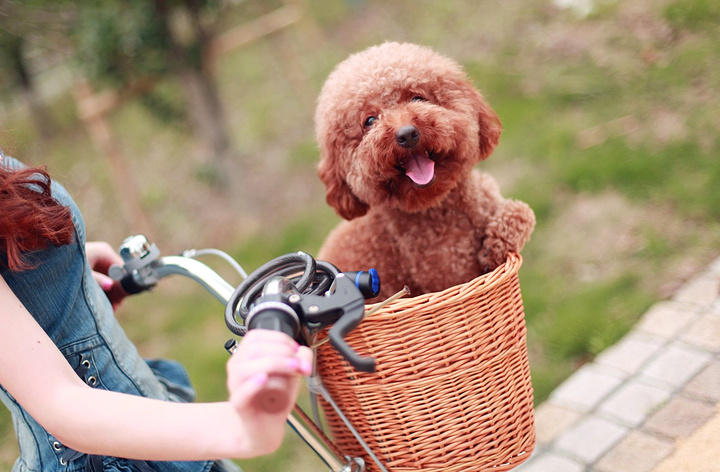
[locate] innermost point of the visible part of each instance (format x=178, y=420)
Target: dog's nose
x=408, y=136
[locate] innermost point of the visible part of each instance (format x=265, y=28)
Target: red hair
x=30, y=218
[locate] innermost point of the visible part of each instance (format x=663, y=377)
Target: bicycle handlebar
x=276, y=316
x=321, y=296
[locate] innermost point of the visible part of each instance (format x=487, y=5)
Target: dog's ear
x=338, y=194
x=490, y=129
x=489, y=124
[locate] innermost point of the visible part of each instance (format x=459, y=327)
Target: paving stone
x=551, y=462
x=706, y=384
x=677, y=364
x=638, y=452
x=679, y=417
x=666, y=319
x=704, y=333
x=634, y=402
x=590, y=439
x=630, y=353
x=586, y=388
x=551, y=420
x=702, y=290
x=619, y=413
x=697, y=453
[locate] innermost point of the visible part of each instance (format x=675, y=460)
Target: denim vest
x=61, y=294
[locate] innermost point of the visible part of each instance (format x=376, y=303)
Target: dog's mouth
x=419, y=168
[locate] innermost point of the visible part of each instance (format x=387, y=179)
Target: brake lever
x=344, y=309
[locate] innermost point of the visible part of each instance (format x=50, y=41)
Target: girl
x=81, y=397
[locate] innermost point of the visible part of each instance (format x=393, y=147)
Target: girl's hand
x=260, y=355
x=100, y=257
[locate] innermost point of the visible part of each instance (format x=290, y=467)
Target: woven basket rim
x=478, y=286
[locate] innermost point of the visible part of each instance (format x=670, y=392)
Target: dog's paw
x=491, y=258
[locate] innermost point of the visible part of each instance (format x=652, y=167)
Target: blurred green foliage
x=694, y=14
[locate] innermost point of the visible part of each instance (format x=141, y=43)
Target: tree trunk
x=38, y=112
x=206, y=112
x=204, y=106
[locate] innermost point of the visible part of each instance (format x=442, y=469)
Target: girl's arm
x=101, y=422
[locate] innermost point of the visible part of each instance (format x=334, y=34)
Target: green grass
x=693, y=14
x=573, y=321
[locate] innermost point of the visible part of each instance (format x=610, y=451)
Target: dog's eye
x=419, y=98
x=369, y=121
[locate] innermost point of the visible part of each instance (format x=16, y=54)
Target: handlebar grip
x=276, y=316
x=131, y=287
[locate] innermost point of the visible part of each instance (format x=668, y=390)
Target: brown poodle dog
x=400, y=129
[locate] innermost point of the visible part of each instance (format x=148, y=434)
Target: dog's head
x=399, y=125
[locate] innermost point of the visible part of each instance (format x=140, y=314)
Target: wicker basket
x=452, y=388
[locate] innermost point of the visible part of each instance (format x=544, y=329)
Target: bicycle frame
x=144, y=263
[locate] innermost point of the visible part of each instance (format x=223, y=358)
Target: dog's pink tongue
x=420, y=169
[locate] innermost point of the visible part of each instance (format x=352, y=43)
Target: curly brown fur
x=400, y=129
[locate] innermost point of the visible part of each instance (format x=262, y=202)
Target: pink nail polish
x=305, y=367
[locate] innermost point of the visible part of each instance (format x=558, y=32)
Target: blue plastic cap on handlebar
x=375, y=281
x=367, y=282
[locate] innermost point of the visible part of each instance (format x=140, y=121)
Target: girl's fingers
x=101, y=256
x=263, y=354
x=261, y=343
x=305, y=355
x=105, y=282
x=268, y=365
x=270, y=337
x=242, y=395
x=257, y=351
x=112, y=289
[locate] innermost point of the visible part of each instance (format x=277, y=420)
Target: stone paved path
x=650, y=403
